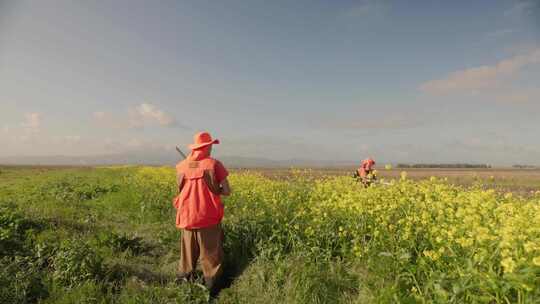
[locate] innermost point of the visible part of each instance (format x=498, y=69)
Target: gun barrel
x=181, y=153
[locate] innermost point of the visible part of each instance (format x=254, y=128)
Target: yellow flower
x=530, y=247
x=508, y=264
x=536, y=261
x=403, y=175
x=433, y=255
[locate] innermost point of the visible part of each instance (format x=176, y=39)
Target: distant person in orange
x=201, y=182
x=365, y=171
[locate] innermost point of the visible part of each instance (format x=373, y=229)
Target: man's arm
x=225, y=188
x=214, y=185
x=221, y=179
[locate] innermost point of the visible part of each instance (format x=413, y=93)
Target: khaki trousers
x=206, y=243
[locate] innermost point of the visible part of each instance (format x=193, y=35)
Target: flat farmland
x=107, y=235
x=520, y=181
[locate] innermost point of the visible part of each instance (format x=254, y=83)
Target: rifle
x=181, y=153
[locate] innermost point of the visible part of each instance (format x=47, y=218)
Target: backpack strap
x=191, y=170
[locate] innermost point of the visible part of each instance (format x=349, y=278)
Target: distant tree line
x=446, y=166
x=523, y=167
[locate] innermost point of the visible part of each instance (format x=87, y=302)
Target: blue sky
x=402, y=81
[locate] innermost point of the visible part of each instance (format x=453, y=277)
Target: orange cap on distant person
x=201, y=140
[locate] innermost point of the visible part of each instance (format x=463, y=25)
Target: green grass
x=107, y=235
x=90, y=216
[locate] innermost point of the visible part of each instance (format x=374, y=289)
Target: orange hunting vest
x=198, y=205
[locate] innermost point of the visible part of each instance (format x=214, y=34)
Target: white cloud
x=32, y=121
x=139, y=116
x=146, y=113
x=150, y=113
x=479, y=78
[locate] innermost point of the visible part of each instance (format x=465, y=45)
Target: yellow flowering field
x=439, y=242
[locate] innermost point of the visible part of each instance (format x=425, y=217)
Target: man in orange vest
x=366, y=168
x=201, y=181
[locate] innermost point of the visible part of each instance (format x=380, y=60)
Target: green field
x=107, y=235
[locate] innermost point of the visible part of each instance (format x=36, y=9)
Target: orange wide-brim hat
x=202, y=139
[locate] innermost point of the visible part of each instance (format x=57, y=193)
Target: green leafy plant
x=15, y=231
x=21, y=280
x=75, y=262
x=122, y=242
